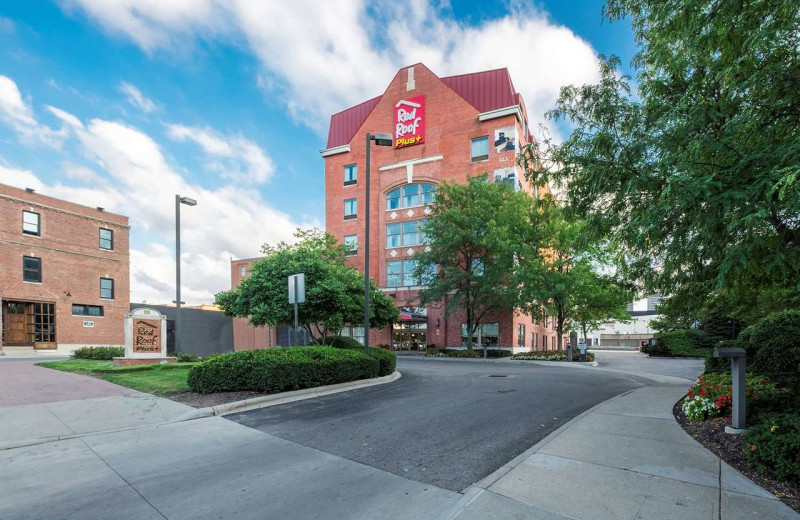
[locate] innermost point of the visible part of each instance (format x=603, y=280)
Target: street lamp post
x=189, y=202
x=380, y=140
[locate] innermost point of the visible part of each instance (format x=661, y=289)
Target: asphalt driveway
x=447, y=422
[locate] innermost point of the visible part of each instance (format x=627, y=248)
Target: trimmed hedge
x=387, y=360
x=779, y=361
x=551, y=355
x=680, y=343
x=98, y=353
x=773, y=446
x=281, y=369
x=783, y=325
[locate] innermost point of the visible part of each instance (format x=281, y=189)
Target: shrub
x=550, y=355
x=281, y=369
x=475, y=353
x=783, y=325
x=387, y=359
x=98, y=353
x=432, y=350
x=779, y=361
x=774, y=446
x=341, y=342
x=679, y=343
x=184, y=357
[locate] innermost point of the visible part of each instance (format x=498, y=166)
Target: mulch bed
x=711, y=434
x=202, y=400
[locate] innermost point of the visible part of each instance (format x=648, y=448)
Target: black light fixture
x=29, y=190
x=380, y=140
x=437, y=323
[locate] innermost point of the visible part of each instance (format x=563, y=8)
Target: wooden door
x=15, y=323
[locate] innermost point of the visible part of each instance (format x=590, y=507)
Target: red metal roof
x=486, y=91
x=345, y=124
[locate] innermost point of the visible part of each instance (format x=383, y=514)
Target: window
x=405, y=233
x=350, y=174
x=106, y=239
x=428, y=193
x=31, y=269
x=86, y=310
x=534, y=341
x=44, y=323
x=544, y=342
x=393, y=235
x=400, y=273
x=107, y=288
x=350, y=209
x=480, y=149
x=410, y=195
x=490, y=334
x=30, y=223
x=521, y=335
x=351, y=244
x=242, y=271
x=357, y=333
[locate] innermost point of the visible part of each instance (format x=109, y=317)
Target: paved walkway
x=23, y=383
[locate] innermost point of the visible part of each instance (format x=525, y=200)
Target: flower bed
x=551, y=355
x=711, y=396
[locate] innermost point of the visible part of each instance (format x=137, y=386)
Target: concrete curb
x=285, y=397
x=223, y=409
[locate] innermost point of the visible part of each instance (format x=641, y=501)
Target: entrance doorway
x=29, y=324
x=410, y=337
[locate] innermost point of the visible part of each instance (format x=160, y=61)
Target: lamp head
x=382, y=139
x=188, y=201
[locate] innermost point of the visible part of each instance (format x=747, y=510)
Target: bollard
x=737, y=356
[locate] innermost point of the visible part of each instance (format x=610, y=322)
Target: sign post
x=297, y=294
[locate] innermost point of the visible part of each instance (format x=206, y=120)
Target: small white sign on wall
x=88, y=324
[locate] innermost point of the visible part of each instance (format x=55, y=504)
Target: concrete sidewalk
x=626, y=458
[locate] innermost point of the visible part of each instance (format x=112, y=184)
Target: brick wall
x=72, y=264
x=450, y=125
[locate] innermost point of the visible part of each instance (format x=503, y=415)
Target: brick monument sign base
x=145, y=339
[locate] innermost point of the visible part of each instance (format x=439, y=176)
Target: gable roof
x=486, y=91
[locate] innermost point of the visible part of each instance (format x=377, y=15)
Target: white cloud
x=233, y=157
x=139, y=182
x=321, y=57
x=135, y=97
x=66, y=117
x=17, y=113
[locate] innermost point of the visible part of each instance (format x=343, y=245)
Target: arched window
x=410, y=195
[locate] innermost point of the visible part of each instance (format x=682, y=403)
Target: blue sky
x=124, y=103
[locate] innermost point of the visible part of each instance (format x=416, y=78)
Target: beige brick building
x=64, y=273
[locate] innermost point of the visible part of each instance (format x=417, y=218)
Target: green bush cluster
x=783, y=324
x=680, y=343
x=456, y=353
x=773, y=446
x=98, y=353
x=387, y=359
x=550, y=355
x=184, y=357
x=281, y=369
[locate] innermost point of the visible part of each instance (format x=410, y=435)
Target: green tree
x=334, y=292
x=557, y=272
x=468, y=230
x=697, y=175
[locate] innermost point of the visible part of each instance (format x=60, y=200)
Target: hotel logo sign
x=409, y=122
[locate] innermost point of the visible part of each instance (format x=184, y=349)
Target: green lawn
x=154, y=379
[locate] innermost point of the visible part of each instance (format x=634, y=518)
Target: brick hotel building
x=64, y=274
x=444, y=129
